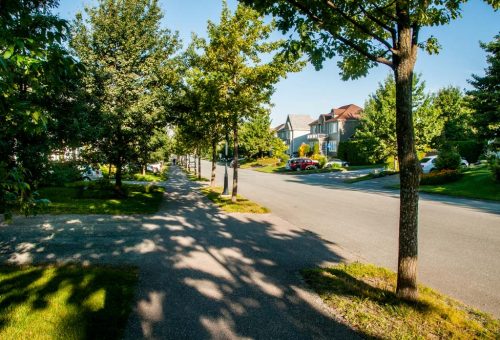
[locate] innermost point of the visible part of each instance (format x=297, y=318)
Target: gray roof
x=300, y=122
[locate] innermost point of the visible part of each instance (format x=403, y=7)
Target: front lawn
x=475, y=183
x=242, y=204
x=371, y=175
x=65, y=302
x=140, y=199
x=364, y=296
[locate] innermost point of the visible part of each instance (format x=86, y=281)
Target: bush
x=283, y=159
x=495, y=169
x=469, y=149
x=448, y=158
x=353, y=152
x=304, y=149
x=60, y=173
x=440, y=177
x=321, y=159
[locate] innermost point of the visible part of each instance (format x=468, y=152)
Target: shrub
x=469, y=149
x=321, y=159
x=495, y=169
x=316, y=149
x=61, y=172
x=353, y=152
x=448, y=158
x=440, y=177
x=283, y=158
x=304, y=149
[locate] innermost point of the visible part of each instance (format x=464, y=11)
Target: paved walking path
x=203, y=273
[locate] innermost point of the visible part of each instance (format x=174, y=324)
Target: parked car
x=336, y=162
x=90, y=173
x=298, y=164
x=154, y=168
x=428, y=164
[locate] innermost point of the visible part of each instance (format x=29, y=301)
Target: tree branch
x=345, y=41
x=388, y=28
x=357, y=24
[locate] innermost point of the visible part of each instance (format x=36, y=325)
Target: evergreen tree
x=485, y=98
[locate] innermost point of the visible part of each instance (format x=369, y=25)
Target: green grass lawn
x=194, y=178
x=364, y=296
x=475, y=183
x=141, y=199
x=65, y=302
x=242, y=204
x=361, y=167
x=371, y=176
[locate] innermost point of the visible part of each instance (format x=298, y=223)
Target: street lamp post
x=225, y=192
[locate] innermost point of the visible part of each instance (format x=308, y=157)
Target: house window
x=332, y=146
x=332, y=127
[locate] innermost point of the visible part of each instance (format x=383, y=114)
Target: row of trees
x=442, y=118
x=228, y=87
x=125, y=80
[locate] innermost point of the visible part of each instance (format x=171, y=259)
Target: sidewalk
x=203, y=273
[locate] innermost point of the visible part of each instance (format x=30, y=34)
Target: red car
x=298, y=164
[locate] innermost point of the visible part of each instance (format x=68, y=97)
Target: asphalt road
x=459, y=240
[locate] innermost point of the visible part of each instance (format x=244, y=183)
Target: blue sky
x=315, y=92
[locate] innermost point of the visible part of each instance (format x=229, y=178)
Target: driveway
x=203, y=273
x=459, y=239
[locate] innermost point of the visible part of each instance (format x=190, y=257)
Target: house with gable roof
x=294, y=132
x=334, y=127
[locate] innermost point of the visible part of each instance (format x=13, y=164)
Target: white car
x=336, y=163
x=428, y=164
x=154, y=168
x=90, y=174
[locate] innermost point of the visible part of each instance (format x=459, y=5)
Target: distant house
x=332, y=128
x=294, y=131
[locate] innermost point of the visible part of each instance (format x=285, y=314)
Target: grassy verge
x=194, y=178
x=65, y=302
x=361, y=167
x=371, y=176
x=364, y=296
x=242, y=205
x=475, y=183
x=141, y=199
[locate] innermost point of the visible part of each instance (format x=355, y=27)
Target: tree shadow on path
x=203, y=273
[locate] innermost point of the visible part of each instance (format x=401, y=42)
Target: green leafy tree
x=245, y=82
x=365, y=34
x=455, y=113
x=132, y=74
x=256, y=135
x=485, y=98
x=378, y=126
x=34, y=71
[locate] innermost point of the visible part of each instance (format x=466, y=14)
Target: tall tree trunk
x=118, y=176
x=188, y=160
x=199, y=165
x=143, y=169
x=234, y=194
x=214, y=166
x=194, y=165
x=409, y=167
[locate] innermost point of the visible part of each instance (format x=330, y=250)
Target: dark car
x=298, y=164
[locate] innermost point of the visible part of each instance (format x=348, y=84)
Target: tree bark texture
x=234, y=194
x=409, y=167
x=214, y=166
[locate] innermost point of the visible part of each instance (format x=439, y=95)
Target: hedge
x=352, y=152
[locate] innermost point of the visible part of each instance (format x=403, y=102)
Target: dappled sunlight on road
x=203, y=273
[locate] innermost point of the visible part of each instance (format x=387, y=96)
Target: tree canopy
x=485, y=97
x=131, y=74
